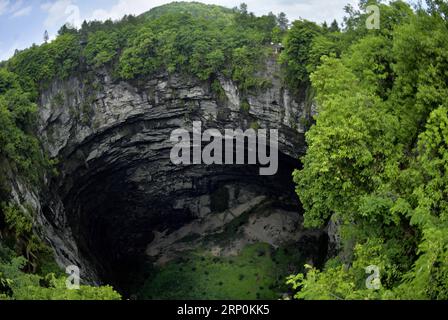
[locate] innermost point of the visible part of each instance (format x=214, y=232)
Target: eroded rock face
x=118, y=196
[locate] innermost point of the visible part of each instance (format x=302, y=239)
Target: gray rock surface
x=118, y=193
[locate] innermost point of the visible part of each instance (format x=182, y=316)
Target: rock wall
x=117, y=190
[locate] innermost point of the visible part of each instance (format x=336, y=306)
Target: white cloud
x=3, y=6
x=123, y=7
x=14, y=8
x=61, y=12
x=8, y=53
x=22, y=12
x=314, y=10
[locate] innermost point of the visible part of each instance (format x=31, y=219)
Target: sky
x=23, y=22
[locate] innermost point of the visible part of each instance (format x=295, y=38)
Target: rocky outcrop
x=118, y=195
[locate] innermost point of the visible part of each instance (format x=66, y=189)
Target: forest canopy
x=377, y=157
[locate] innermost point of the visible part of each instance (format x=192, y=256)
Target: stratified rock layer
x=119, y=197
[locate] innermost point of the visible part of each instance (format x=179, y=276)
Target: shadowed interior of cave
x=117, y=205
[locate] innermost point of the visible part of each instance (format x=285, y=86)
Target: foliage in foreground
x=377, y=159
x=18, y=285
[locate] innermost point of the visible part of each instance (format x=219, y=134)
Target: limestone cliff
x=118, y=196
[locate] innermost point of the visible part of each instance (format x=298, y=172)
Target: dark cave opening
x=114, y=207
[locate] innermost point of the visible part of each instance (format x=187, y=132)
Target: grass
x=258, y=272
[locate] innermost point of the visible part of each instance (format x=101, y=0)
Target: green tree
x=282, y=21
x=295, y=57
x=373, y=167
x=140, y=58
x=101, y=48
x=334, y=27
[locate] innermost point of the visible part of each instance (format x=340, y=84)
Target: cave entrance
x=135, y=214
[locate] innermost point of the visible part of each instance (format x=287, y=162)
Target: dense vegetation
x=377, y=153
x=377, y=158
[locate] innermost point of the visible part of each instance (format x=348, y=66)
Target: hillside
x=196, y=9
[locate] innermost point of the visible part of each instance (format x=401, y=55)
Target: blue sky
x=23, y=22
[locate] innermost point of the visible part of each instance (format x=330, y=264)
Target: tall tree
x=243, y=9
x=46, y=37
x=282, y=21
x=334, y=27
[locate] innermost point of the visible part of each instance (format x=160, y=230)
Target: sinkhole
x=133, y=213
